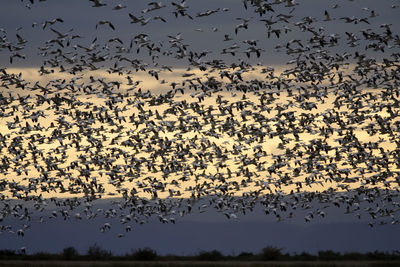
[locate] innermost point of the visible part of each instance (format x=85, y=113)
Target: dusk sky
x=81, y=18
x=184, y=115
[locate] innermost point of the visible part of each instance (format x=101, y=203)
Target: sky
x=207, y=231
x=42, y=46
x=75, y=15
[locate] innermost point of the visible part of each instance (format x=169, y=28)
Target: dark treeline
x=269, y=253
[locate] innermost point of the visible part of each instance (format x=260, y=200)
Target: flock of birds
x=224, y=133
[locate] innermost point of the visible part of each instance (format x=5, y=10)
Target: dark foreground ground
x=195, y=263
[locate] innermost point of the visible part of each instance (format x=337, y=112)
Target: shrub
x=304, y=256
x=245, y=256
x=70, y=253
x=354, y=256
x=7, y=253
x=44, y=256
x=145, y=254
x=95, y=252
x=213, y=255
x=328, y=255
x=271, y=253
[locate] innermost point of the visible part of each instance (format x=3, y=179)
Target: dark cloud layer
x=82, y=18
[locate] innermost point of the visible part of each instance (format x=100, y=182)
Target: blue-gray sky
x=211, y=230
x=82, y=18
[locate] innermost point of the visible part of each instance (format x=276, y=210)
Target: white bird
x=105, y=22
x=154, y=6
x=97, y=3
x=290, y=3
x=327, y=16
x=119, y=7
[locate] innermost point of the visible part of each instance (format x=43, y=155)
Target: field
x=196, y=263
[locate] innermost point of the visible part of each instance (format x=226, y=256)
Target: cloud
x=272, y=145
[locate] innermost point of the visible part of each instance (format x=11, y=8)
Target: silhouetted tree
x=95, y=252
x=7, y=253
x=70, y=253
x=377, y=255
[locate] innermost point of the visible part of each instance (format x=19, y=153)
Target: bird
x=135, y=19
x=119, y=7
x=219, y=127
x=97, y=3
x=105, y=22
x=51, y=22
x=154, y=6
x=327, y=16
x=243, y=25
x=290, y=3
